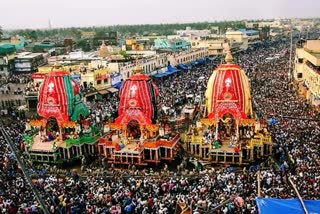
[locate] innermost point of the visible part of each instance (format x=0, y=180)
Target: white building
x=271, y=24
x=152, y=64
x=188, y=32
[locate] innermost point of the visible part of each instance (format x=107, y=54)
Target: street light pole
x=290, y=57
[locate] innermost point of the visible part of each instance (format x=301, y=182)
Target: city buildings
x=237, y=40
x=307, y=71
x=257, y=24
x=28, y=62
x=7, y=59
x=172, y=44
x=140, y=44
x=192, y=32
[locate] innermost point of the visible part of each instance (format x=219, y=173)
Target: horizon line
x=167, y=23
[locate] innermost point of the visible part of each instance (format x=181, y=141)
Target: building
x=251, y=34
x=138, y=44
x=158, y=62
x=87, y=34
x=45, y=46
x=28, y=62
x=148, y=65
x=271, y=24
x=7, y=54
x=18, y=41
x=215, y=46
x=187, y=57
x=307, y=71
x=192, y=32
x=237, y=40
x=172, y=45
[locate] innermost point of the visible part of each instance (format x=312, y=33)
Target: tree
x=83, y=45
x=75, y=33
x=33, y=35
x=124, y=54
x=1, y=33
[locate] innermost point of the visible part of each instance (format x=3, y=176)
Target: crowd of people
x=105, y=189
x=16, y=78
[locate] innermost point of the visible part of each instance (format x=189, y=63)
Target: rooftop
x=7, y=49
x=248, y=32
x=317, y=55
x=29, y=55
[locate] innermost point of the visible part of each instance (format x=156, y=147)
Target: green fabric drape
x=69, y=93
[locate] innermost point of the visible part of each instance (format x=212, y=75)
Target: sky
x=34, y=14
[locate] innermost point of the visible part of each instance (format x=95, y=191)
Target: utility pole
x=259, y=183
x=13, y=148
x=299, y=196
x=290, y=58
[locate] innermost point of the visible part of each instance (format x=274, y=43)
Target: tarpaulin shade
x=183, y=66
x=281, y=206
x=118, y=85
x=172, y=69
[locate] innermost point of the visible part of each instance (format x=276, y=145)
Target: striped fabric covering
x=56, y=96
x=228, y=91
x=138, y=99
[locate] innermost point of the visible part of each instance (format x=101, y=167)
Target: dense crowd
x=115, y=191
x=14, y=84
x=103, y=111
x=15, y=78
x=182, y=88
x=297, y=134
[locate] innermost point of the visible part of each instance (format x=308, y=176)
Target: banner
x=38, y=76
x=115, y=79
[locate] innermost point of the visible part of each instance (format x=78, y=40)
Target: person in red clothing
x=236, y=149
x=12, y=209
x=150, y=202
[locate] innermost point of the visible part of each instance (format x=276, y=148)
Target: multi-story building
x=307, y=71
x=237, y=40
x=150, y=65
x=87, y=34
x=19, y=42
x=271, y=24
x=215, y=46
x=251, y=34
x=138, y=44
x=186, y=57
x=172, y=44
x=188, y=32
x=28, y=62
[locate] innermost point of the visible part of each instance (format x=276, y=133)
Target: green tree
x=33, y=35
x=1, y=33
x=83, y=44
x=124, y=54
x=75, y=33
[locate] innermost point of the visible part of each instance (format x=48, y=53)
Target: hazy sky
x=65, y=13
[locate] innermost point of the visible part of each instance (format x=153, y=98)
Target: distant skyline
x=34, y=14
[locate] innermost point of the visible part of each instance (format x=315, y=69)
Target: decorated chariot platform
x=63, y=131
x=135, y=137
x=229, y=131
